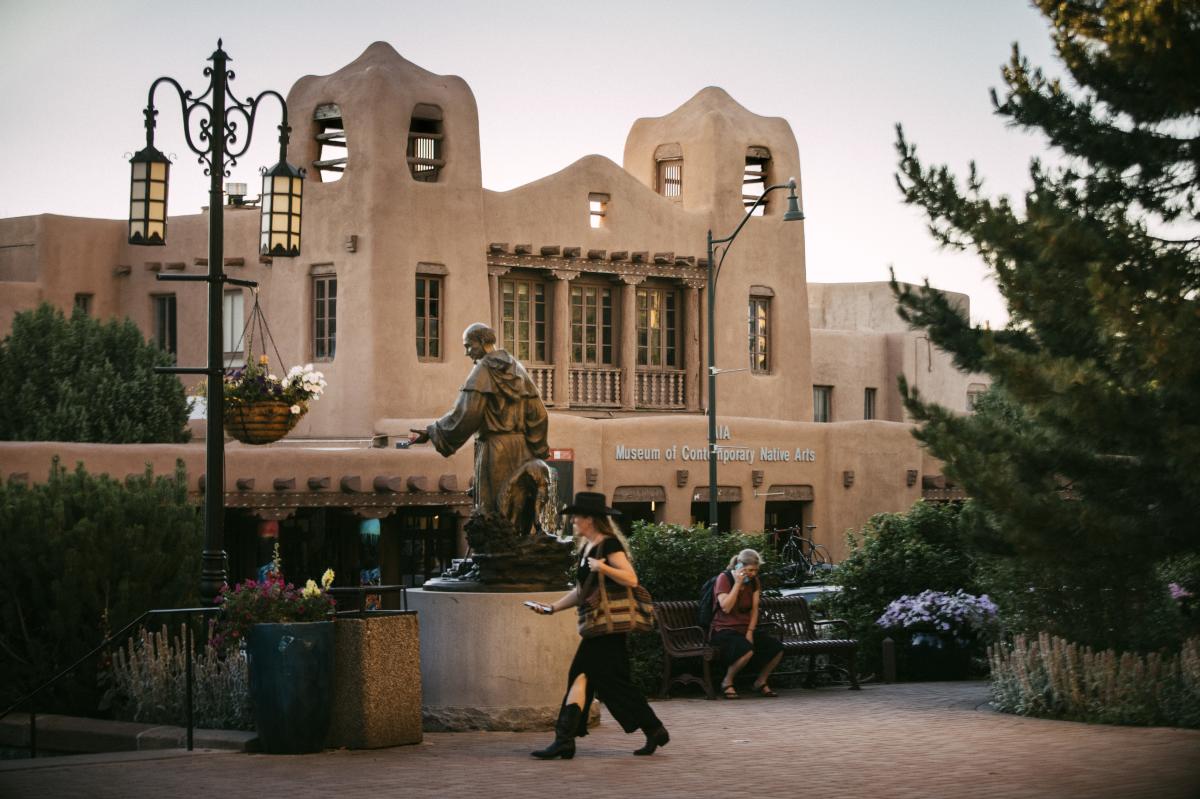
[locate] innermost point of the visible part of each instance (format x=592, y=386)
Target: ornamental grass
x=1053, y=678
x=149, y=679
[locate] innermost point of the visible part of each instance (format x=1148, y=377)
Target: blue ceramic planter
x=291, y=685
x=933, y=656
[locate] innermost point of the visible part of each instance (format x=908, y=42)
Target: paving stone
x=894, y=741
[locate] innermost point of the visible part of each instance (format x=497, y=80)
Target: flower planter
x=260, y=422
x=291, y=685
x=934, y=656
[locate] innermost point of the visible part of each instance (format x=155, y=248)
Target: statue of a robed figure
x=511, y=530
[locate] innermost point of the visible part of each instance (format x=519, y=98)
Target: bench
x=787, y=618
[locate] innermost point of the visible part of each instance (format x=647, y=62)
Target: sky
x=554, y=81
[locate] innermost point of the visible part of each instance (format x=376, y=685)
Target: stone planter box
x=377, y=682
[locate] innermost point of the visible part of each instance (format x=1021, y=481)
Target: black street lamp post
x=219, y=116
x=793, y=214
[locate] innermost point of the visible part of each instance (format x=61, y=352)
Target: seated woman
x=735, y=619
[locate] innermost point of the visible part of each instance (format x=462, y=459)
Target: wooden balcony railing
x=661, y=389
x=596, y=388
x=543, y=378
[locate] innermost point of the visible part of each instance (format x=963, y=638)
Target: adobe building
x=595, y=277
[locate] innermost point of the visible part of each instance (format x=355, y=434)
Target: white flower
x=296, y=409
x=273, y=378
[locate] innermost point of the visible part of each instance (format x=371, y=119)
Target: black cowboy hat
x=589, y=503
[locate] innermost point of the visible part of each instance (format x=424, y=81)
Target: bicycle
x=801, y=558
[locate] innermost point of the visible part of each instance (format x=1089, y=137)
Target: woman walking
x=601, y=664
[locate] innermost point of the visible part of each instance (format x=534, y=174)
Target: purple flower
x=1179, y=593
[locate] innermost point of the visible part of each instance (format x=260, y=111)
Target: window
x=822, y=403
x=332, y=152
x=760, y=332
x=164, y=323
x=233, y=326
x=591, y=325
x=523, y=312
x=324, y=317
x=83, y=304
x=657, y=322
x=597, y=209
x=670, y=178
x=974, y=392
x=429, y=317
x=754, y=181
x=425, y=143
x=869, y=403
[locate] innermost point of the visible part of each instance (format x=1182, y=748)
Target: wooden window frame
x=232, y=333
x=430, y=296
x=83, y=302
x=324, y=316
x=760, y=334
x=828, y=393
x=870, y=403
x=600, y=329
x=669, y=186
x=524, y=320
x=166, y=339
x=667, y=344
x=756, y=173
x=597, y=210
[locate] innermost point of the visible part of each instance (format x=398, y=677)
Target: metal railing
x=118, y=636
x=361, y=595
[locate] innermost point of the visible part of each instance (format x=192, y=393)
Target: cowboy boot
x=654, y=739
x=564, y=735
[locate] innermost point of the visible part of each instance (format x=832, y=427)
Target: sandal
x=728, y=692
x=765, y=690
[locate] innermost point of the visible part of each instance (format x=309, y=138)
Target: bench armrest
x=692, y=627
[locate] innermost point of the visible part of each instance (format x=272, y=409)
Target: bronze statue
x=500, y=405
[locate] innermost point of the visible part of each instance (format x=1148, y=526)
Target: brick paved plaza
x=912, y=740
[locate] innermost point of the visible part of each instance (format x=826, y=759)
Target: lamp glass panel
x=156, y=228
x=158, y=191
x=279, y=222
x=266, y=223
x=266, y=203
x=296, y=225
x=280, y=184
x=158, y=211
x=295, y=203
x=158, y=171
x=139, y=170
x=297, y=186
x=137, y=210
x=137, y=227
x=138, y=191
x=278, y=240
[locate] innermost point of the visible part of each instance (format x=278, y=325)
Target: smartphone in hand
x=538, y=606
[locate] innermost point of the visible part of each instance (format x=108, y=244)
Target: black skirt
x=604, y=661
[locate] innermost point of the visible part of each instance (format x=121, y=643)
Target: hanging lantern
x=148, y=197
x=283, y=185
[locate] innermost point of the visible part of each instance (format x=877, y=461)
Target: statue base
x=490, y=663
x=507, y=563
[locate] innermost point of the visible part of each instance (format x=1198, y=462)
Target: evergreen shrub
x=86, y=554
x=81, y=379
x=898, y=554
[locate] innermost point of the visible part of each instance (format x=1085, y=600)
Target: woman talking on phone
x=736, y=596
x=601, y=664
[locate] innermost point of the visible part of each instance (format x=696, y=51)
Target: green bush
x=81, y=379
x=1052, y=678
x=85, y=555
x=896, y=554
x=673, y=562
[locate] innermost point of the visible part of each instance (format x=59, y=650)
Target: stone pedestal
x=490, y=663
x=377, y=682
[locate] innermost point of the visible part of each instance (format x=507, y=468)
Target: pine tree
x=1085, y=469
x=81, y=379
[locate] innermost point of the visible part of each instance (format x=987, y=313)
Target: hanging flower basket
x=261, y=422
